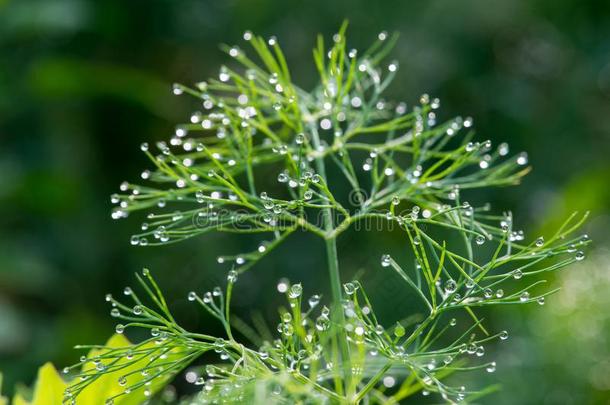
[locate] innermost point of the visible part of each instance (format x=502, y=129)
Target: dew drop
x=350, y=288
x=282, y=286
x=232, y=276
x=389, y=381
x=295, y=291
x=322, y=323
x=314, y=300
x=386, y=260
x=282, y=177
x=450, y=286
x=580, y=255
x=524, y=297
x=399, y=330
x=176, y=89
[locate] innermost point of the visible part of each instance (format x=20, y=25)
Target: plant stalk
x=338, y=317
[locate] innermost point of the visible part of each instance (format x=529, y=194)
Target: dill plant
x=256, y=159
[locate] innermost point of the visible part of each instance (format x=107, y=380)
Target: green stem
x=338, y=317
x=337, y=311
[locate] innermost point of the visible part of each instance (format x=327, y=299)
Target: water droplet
x=540, y=300
x=522, y=159
x=177, y=89
x=580, y=255
x=524, y=296
x=488, y=293
x=491, y=367
x=499, y=293
x=322, y=323
x=517, y=274
x=127, y=291
x=350, y=288
x=503, y=335
x=540, y=241
x=192, y=296
x=282, y=285
x=295, y=291
x=389, y=381
x=282, y=177
x=120, y=328
x=232, y=276
x=503, y=149
x=450, y=286
x=286, y=317
x=395, y=200
x=137, y=310
x=399, y=330
x=480, y=239
x=386, y=260
x=314, y=300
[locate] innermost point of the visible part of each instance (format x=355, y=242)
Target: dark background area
x=83, y=83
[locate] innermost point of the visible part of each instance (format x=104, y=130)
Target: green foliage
x=343, y=157
x=50, y=388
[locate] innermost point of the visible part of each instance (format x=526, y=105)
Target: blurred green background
x=83, y=83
